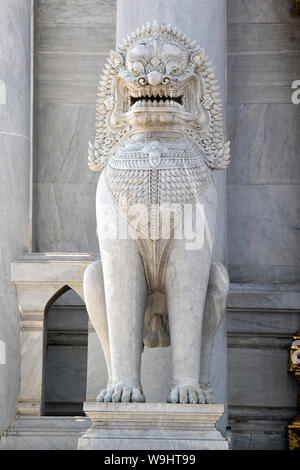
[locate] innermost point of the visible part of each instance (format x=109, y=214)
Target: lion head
x=158, y=80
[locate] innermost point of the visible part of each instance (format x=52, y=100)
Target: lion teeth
x=147, y=103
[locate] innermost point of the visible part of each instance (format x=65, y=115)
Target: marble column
x=205, y=22
x=15, y=17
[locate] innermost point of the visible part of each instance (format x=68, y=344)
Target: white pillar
x=15, y=16
x=205, y=22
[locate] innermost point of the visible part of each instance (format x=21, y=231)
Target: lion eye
x=173, y=69
x=137, y=69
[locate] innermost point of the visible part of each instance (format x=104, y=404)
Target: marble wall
x=263, y=194
x=264, y=127
x=72, y=41
x=263, y=59
x=262, y=320
x=14, y=184
x=203, y=21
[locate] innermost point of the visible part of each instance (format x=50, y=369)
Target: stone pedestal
x=152, y=426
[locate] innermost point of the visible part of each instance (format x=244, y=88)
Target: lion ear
x=197, y=57
x=116, y=59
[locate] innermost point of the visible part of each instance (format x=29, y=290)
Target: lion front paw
x=121, y=393
x=190, y=394
x=208, y=392
x=101, y=396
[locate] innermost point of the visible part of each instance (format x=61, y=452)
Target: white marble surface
x=44, y=433
x=2, y=92
x=263, y=125
x=252, y=37
x=204, y=416
x=68, y=77
x=57, y=230
x=206, y=22
x=70, y=12
x=14, y=185
x=96, y=367
x=253, y=79
x=63, y=133
x=265, y=139
x=155, y=371
x=263, y=233
x=257, y=11
x=158, y=426
x=15, y=64
x=75, y=26
x=73, y=38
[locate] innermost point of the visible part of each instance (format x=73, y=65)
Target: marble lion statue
x=158, y=141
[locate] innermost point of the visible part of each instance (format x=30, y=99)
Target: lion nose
x=154, y=78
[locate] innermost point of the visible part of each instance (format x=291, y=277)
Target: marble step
x=44, y=433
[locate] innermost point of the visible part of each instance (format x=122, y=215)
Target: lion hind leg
x=214, y=312
x=93, y=288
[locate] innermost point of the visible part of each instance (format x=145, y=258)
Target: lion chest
x=155, y=173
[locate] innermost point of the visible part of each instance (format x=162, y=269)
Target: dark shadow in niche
x=65, y=355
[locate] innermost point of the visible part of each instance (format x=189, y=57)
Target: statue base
x=152, y=426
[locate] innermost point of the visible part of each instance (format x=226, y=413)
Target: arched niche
x=65, y=354
x=41, y=279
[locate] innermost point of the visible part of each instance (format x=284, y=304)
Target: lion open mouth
x=180, y=99
x=148, y=99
